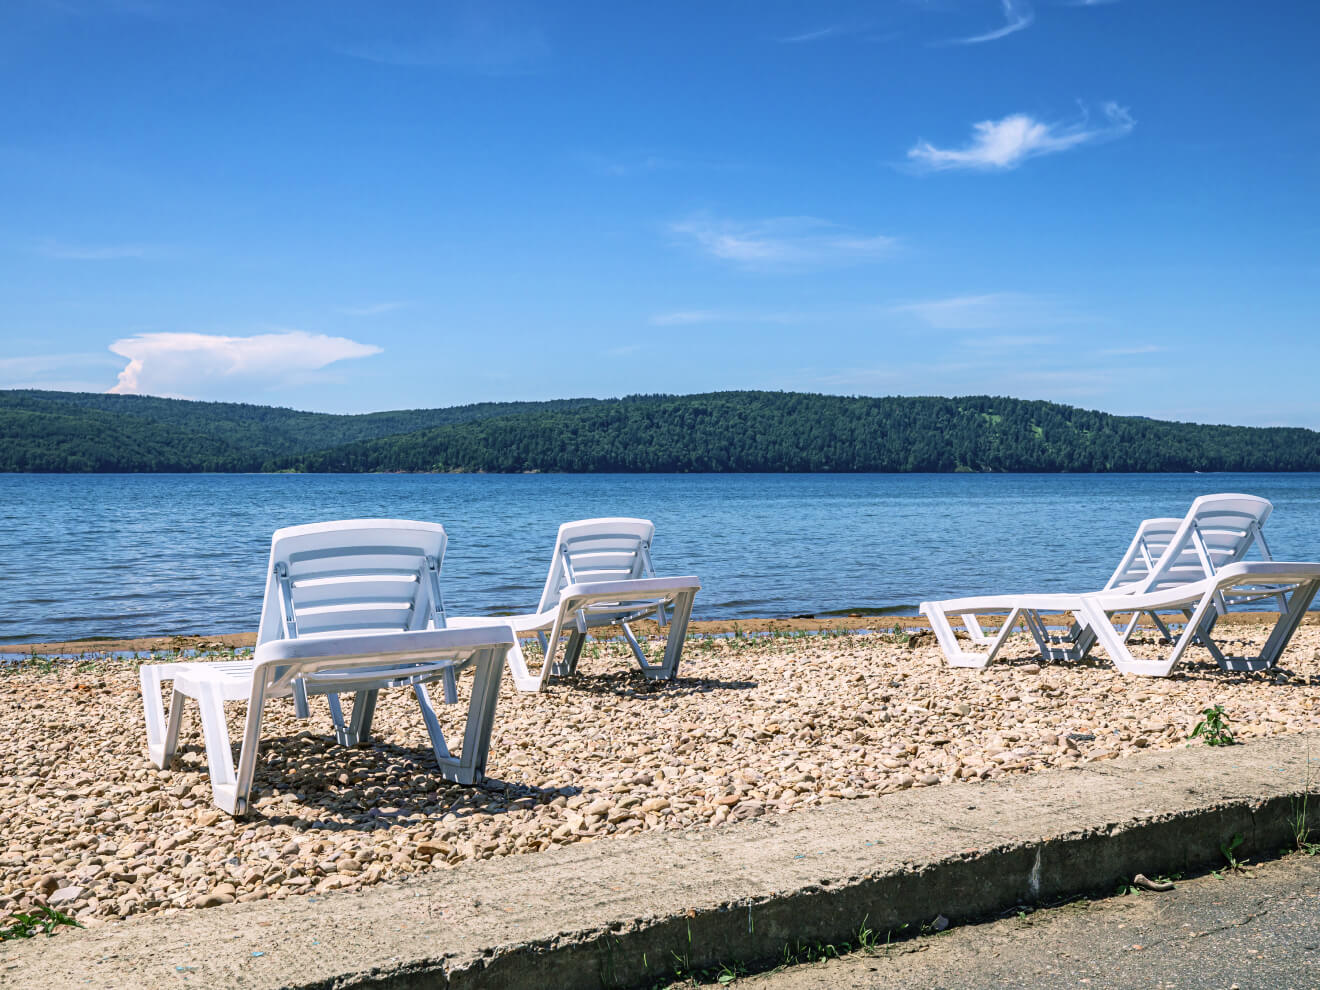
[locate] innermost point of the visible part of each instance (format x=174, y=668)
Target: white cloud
x=190, y=364
x=783, y=242
x=1007, y=143
x=1017, y=15
x=64, y=251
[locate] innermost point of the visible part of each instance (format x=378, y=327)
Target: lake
x=138, y=555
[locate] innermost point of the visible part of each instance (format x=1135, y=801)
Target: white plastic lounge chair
x=349, y=606
x=1218, y=530
x=600, y=575
x=1199, y=604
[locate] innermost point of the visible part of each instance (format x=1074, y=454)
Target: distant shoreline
x=699, y=627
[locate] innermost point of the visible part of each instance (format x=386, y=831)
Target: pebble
x=753, y=727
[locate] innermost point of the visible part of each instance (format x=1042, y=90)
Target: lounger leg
x=955, y=655
x=450, y=680
x=1039, y=633
x=219, y=753
x=975, y=631
x=470, y=767
x=633, y=645
x=438, y=745
x=1114, y=644
x=964, y=658
x=238, y=796
x=551, y=647
x=1202, y=635
x=1122, y=657
x=337, y=717
x=1159, y=624
x=162, y=736
x=676, y=639
x=1282, y=633
x=523, y=679
x=364, y=711
x=572, y=654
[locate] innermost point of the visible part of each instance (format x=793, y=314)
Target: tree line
x=714, y=432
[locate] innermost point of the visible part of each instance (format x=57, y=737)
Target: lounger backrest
x=598, y=550
x=1218, y=530
x=1145, y=551
x=353, y=576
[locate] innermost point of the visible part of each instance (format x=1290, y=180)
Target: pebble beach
x=753, y=726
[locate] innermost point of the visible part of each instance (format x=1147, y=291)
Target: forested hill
x=96, y=432
x=721, y=431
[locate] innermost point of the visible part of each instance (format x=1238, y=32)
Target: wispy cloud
x=685, y=317
x=195, y=364
x=820, y=34
x=1007, y=143
x=1017, y=16
x=64, y=251
x=782, y=242
x=991, y=311
x=55, y=371
x=1008, y=342
x=73, y=372
x=373, y=309
x=866, y=31
x=693, y=317
x=1134, y=351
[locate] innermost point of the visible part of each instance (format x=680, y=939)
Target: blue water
x=138, y=555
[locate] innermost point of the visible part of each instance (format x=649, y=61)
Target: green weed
x=43, y=920
x=1229, y=849
x=1213, y=728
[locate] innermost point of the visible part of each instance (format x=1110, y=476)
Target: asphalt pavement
x=1252, y=930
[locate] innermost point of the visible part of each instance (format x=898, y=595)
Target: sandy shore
x=846, y=622
x=760, y=726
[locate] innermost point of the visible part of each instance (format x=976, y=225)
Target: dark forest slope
x=721, y=431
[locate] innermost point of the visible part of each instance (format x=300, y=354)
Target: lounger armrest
x=418, y=645
x=1281, y=572
x=631, y=589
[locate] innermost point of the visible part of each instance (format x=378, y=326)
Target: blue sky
x=348, y=207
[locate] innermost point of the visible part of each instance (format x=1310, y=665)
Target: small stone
x=65, y=895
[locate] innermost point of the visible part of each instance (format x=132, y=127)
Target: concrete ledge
x=619, y=913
